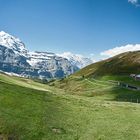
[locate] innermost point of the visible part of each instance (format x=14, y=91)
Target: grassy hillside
x=101, y=88
x=123, y=64
x=22, y=82
x=34, y=111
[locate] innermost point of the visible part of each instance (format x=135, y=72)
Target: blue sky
x=78, y=26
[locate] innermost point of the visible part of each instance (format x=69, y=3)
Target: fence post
x=137, y=100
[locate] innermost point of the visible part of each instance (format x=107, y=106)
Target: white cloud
x=122, y=49
x=135, y=2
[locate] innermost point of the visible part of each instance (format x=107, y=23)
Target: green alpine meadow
x=82, y=106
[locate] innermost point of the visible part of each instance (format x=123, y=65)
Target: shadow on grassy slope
x=126, y=95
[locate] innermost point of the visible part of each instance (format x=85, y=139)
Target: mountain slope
x=77, y=59
x=122, y=64
x=15, y=58
x=50, y=65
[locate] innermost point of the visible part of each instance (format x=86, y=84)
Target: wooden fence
x=132, y=100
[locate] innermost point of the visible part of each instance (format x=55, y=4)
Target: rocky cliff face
x=15, y=58
x=50, y=65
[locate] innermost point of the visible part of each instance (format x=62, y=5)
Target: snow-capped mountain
x=77, y=59
x=12, y=54
x=15, y=58
x=50, y=64
x=13, y=43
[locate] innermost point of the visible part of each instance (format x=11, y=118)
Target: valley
x=74, y=108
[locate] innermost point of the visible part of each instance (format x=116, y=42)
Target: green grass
x=72, y=109
x=23, y=82
x=101, y=88
x=121, y=78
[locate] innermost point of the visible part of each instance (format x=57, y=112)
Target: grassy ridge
x=22, y=82
x=122, y=64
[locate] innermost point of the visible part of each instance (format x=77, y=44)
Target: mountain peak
x=12, y=42
x=2, y=33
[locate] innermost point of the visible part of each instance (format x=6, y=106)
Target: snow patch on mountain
x=77, y=59
x=13, y=43
x=36, y=57
x=11, y=73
